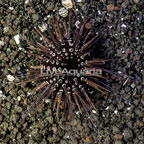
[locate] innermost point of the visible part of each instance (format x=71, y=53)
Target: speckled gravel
x=120, y=117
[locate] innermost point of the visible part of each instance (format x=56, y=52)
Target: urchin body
x=67, y=50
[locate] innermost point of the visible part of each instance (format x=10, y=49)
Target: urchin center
x=72, y=63
x=70, y=56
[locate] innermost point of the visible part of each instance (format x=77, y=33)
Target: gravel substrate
x=120, y=117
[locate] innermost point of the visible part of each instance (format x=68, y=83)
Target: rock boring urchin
x=69, y=67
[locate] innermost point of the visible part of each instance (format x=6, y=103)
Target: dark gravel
x=121, y=115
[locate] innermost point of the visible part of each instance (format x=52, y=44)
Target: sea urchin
x=68, y=67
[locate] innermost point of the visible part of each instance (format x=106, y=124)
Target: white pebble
x=67, y=3
x=116, y=111
x=11, y=8
x=99, y=12
x=1, y=43
x=6, y=29
x=68, y=136
x=103, y=115
x=2, y=96
x=77, y=24
x=48, y=16
x=119, y=72
x=77, y=112
x=19, y=98
x=27, y=1
x=110, y=26
x=20, y=48
x=43, y=27
x=132, y=85
x=122, y=50
x=91, y=92
x=16, y=38
x=79, y=0
x=10, y=78
x=123, y=25
x=41, y=38
x=63, y=12
x=107, y=107
x=94, y=111
x=128, y=108
x=47, y=101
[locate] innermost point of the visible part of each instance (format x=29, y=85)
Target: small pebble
x=132, y=85
x=35, y=17
x=116, y=111
x=88, y=139
x=94, y=111
x=2, y=21
x=77, y=112
x=110, y=7
x=139, y=123
x=20, y=48
x=77, y=24
x=50, y=119
x=118, y=142
x=26, y=1
x=120, y=106
x=16, y=38
x=67, y=3
x=63, y=12
x=88, y=25
x=115, y=130
x=18, y=109
x=6, y=29
x=47, y=101
x=118, y=136
x=10, y=78
x=124, y=5
x=63, y=141
x=79, y=0
x=19, y=135
x=11, y=8
x=136, y=1
x=25, y=101
x=19, y=98
x=8, y=105
x=2, y=96
x=54, y=129
x=43, y=27
x=1, y=43
x=127, y=134
x=123, y=25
